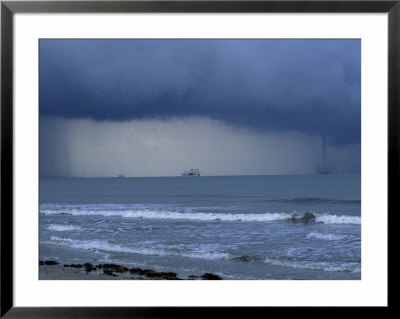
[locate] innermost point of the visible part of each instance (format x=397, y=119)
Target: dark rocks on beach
x=154, y=274
x=166, y=275
x=89, y=267
x=113, y=267
x=140, y=271
x=209, y=276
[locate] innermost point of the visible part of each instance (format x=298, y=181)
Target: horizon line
x=243, y=175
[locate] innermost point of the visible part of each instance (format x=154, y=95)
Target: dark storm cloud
x=310, y=86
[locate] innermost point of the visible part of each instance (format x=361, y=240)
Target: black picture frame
x=9, y=8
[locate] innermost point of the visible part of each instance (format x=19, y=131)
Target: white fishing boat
x=191, y=172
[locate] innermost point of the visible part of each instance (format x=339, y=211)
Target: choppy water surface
x=240, y=227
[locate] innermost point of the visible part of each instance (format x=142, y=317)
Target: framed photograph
x=158, y=156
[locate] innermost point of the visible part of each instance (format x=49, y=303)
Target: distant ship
x=121, y=176
x=191, y=172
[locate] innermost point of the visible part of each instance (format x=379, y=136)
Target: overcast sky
x=227, y=107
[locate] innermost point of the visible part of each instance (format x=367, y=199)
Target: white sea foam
x=138, y=212
x=56, y=227
x=176, y=213
x=329, y=237
x=334, y=219
x=325, y=266
x=209, y=255
x=100, y=245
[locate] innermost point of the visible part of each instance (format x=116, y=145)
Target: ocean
x=304, y=227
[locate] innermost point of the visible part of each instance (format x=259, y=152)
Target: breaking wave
x=174, y=213
x=104, y=246
x=335, y=219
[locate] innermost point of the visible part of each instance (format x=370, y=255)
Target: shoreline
x=52, y=270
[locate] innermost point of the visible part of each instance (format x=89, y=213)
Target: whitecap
x=329, y=237
x=334, y=219
x=55, y=227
